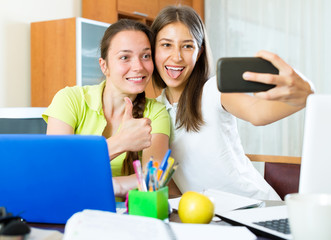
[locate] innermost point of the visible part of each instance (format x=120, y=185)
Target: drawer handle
x=140, y=14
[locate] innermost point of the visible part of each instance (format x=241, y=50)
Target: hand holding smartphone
x=230, y=71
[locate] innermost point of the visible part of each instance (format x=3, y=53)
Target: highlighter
x=171, y=162
x=139, y=174
x=163, y=165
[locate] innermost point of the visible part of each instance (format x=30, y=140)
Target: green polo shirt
x=81, y=108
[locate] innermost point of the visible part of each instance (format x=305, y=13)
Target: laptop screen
x=22, y=120
x=316, y=154
x=23, y=126
x=47, y=178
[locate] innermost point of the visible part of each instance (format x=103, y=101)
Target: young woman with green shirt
x=134, y=126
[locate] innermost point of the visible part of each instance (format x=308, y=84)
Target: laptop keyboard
x=279, y=225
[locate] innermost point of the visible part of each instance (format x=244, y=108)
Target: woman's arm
x=134, y=134
x=288, y=97
x=290, y=87
x=257, y=111
x=58, y=127
x=123, y=184
x=158, y=149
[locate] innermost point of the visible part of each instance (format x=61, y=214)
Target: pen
x=156, y=183
x=159, y=174
x=151, y=185
x=148, y=166
x=140, y=177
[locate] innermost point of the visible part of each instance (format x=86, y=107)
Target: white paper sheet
x=211, y=231
x=44, y=234
x=223, y=201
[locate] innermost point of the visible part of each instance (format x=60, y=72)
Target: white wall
x=298, y=31
x=15, y=19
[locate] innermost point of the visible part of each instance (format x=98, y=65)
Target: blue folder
x=46, y=179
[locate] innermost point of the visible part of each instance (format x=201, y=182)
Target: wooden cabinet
x=142, y=10
x=64, y=52
x=198, y=5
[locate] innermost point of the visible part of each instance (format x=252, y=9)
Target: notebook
x=46, y=179
x=314, y=173
x=92, y=224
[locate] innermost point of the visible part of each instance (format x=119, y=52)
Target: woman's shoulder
x=154, y=108
x=210, y=90
x=159, y=116
x=70, y=92
x=80, y=92
x=211, y=84
x=153, y=103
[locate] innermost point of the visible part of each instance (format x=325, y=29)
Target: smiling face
x=129, y=64
x=176, y=52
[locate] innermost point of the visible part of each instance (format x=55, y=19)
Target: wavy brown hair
x=139, y=102
x=189, y=113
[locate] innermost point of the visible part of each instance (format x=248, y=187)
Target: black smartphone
x=230, y=71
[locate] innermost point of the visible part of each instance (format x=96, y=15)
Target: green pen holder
x=149, y=204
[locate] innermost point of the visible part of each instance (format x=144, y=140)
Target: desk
x=268, y=203
x=173, y=218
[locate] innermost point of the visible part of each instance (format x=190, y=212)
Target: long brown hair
x=189, y=113
x=139, y=102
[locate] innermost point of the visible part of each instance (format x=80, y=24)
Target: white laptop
x=314, y=174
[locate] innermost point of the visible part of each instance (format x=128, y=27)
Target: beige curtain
x=297, y=30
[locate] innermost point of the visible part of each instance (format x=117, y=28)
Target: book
x=223, y=201
x=102, y=225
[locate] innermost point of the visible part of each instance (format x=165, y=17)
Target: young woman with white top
x=204, y=137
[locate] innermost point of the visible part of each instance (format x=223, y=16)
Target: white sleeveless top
x=214, y=156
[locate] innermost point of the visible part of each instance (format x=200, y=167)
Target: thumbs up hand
x=128, y=109
x=135, y=133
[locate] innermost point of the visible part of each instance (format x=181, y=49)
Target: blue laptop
x=46, y=179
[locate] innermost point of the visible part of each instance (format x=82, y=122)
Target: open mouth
x=136, y=79
x=174, y=71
